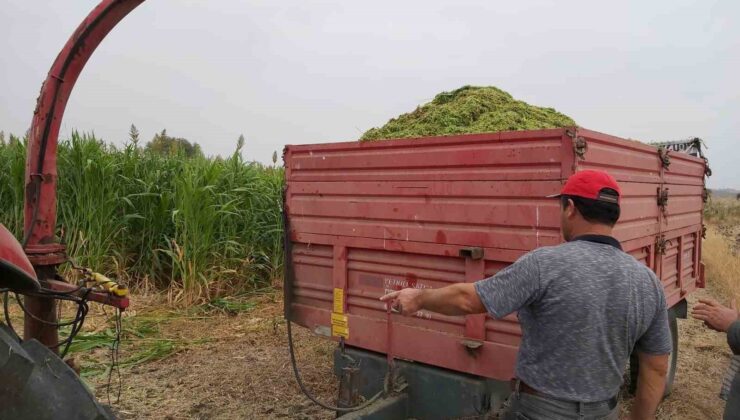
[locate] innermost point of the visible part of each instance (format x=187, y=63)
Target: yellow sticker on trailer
x=339, y=325
x=338, y=301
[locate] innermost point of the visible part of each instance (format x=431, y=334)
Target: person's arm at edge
x=650, y=385
x=720, y=318
x=733, y=337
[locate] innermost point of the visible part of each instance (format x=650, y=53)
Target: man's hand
x=455, y=299
x=407, y=301
x=714, y=315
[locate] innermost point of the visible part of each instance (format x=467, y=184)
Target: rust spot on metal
x=440, y=238
x=411, y=278
x=30, y=191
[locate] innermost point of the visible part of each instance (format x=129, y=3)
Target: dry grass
x=227, y=365
x=703, y=356
x=722, y=262
x=723, y=211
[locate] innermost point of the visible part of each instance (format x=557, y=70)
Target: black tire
x=671, y=374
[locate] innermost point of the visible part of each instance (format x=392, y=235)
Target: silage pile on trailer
x=470, y=109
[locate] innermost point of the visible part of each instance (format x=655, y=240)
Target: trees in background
x=166, y=145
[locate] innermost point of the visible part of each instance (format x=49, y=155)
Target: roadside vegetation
x=160, y=216
x=721, y=248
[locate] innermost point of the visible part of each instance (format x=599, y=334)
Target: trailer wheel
x=671, y=374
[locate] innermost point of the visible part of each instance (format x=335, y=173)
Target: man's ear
x=571, y=209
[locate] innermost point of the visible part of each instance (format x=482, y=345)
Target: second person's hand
x=715, y=315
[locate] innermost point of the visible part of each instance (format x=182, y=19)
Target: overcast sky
x=317, y=71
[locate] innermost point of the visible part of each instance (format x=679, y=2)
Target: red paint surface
x=403, y=209
x=12, y=253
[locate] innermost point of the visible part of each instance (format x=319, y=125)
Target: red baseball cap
x=592, y=184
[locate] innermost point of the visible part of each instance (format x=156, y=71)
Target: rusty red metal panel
x=625, y=160
x=640, y=213
x=680, y=263
x=380, y=216
x=496, y=156
x=467, y=213
x=684, y=169
x=422, y=345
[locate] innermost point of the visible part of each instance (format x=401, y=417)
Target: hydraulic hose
x=308, y=395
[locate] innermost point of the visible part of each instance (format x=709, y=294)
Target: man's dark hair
x=595, y=211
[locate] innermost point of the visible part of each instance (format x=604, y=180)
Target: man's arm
x=457, y=299
x=505, y=292
x=650, y=385
x=653, y=350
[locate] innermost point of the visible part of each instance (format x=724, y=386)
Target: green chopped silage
x=470, y=109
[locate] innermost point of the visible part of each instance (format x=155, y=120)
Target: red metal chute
x=16, y=272
x=40, y=243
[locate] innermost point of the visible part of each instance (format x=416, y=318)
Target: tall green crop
x=198, y=226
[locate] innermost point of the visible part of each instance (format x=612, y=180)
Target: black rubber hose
x=308, y=394
x=43, y=321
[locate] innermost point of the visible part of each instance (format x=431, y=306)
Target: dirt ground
x=242, y=369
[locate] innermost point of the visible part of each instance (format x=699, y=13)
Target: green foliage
x=231, y=306
x=12, y=175
x=469, y=109
x=141, y=343
x=202, y=226
x=133, y=135
x=168, y=146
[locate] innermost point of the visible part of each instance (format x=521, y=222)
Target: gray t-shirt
x=583, y=307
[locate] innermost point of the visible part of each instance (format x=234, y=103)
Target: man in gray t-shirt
x=584, y=306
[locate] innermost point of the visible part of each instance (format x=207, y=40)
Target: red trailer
x=364, y=218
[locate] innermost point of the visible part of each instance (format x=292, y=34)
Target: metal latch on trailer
x=662, y=198
x=580, y=146
x=472, y=252
x=665, y=158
